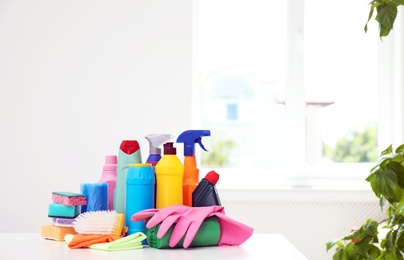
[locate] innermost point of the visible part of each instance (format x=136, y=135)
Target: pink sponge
x=69, y=198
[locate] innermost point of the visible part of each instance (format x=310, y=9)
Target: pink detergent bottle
x=109, y=177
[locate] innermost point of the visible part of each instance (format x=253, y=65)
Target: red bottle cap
x=129, y=146
x=212, y=177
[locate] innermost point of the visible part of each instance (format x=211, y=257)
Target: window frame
x=301, y=174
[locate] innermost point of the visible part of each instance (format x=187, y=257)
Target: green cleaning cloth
x=207, y=235
x=133, y=241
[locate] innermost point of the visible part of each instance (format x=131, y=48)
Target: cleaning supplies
x=56, y=210
x=155, y=141
x=129, y=152
x=97, y=196
x=85, y=241
x=191, y=172
x=186, y=221
x=130, y=242
x=99, y=222
x=169, y=174
x=69, y=198
x=108, y=176
x=113, y=243
x=56, y=233
x=62, y=211
x=208, y=235
x=66, y=204
x=205, y=194
x=139, y=193
x=63, y=222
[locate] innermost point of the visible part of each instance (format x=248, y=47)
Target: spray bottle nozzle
x=155, y=141
x=189, y=138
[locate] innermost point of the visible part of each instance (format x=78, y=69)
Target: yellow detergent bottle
x=169, y=175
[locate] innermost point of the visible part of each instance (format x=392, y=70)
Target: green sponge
x=56, y=210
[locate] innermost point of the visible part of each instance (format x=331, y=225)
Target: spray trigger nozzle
x=199, y=141
x=189, y=138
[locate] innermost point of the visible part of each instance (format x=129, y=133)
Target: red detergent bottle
x=205, y=194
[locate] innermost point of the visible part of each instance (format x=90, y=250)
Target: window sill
x=320, y=177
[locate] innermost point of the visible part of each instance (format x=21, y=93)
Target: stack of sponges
x=65, y=207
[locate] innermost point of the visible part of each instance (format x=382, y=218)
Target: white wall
x=77, y=78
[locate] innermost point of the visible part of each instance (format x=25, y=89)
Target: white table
x=258, y=246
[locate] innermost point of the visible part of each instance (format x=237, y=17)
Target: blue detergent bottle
x=139, y=194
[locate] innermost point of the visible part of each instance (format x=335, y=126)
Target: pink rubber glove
x=187, y=224
x=232, y=232
x=158, y=215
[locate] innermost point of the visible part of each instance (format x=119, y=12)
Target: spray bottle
x=155, y=141
x=169, y=173
x=191, y=172
x=129, y=152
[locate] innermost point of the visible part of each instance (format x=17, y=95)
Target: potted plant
x=387, y=182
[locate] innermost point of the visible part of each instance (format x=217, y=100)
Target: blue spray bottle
x=155, y=141
x=191, y=172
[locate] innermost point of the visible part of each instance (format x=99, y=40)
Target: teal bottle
x=129, y=152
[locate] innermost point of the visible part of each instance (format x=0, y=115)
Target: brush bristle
x=97, y=222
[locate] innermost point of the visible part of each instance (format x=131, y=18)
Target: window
x=299, y=79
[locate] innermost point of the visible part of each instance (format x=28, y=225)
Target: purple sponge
x=69, y=198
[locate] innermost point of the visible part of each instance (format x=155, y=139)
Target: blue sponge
x=97, y=196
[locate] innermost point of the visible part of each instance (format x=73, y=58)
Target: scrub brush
x=99, y=222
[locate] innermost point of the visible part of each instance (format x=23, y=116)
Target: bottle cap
x=169, y=148
x=110, y=163
x=212, y=177
x=129, y=146
x=111, y=159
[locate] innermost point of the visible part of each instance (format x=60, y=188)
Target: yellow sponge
x=56, y=233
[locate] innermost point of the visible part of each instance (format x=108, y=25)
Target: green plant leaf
x=340, y=254
x=396, y=2
x=385, y=182
x=332, y=243
x=370, y=227
x=371, y=178
x=372, y=8
x=400, y=207
x=388, y=255
x=400, y=236
x=381, y=202
x=388, y=150
x=398, y=169
x=398, y=195
x=401, y=147
x=353, y=251
x=389, y=241
x=374, y=251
